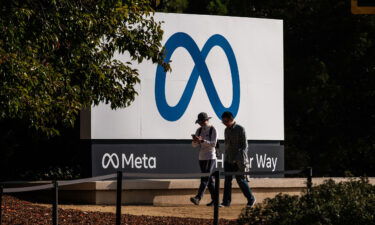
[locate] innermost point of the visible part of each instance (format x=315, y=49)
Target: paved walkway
x=189, y=211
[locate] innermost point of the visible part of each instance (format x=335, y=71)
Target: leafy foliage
x=51, y=173
x=176, y=6
x=344, y=203
x=56, y=57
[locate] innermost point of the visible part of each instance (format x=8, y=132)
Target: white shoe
x=251, y=203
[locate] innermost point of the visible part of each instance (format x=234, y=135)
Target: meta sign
x=200, y=70
x=218, y=64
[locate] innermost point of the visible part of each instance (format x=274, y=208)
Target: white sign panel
x=218, y=64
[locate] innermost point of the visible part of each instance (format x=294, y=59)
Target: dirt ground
x=189, y=211
x=20, y=212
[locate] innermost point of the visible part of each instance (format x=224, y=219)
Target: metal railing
x=119, y=187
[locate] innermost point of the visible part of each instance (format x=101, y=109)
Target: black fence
x=54, y=186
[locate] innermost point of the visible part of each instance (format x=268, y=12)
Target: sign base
x=174, y=157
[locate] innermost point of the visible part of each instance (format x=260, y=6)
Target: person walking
x=205, y=138
x=236, y=159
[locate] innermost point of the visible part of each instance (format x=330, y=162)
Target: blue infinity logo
x=173, y=113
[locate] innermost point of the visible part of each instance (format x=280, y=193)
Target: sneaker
x=251, y=203
x=211, y=203
x=224, y=205
x=194, y=200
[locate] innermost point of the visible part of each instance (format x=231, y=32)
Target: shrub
x=344, y=203
x=50, y=173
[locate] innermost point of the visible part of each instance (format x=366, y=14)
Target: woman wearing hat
x=205, y=138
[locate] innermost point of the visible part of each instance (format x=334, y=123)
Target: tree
x=56, y=57
x=176, y=6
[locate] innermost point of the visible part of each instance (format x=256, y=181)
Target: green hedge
x=344, y=203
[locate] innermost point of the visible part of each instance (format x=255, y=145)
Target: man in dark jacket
x=236, y=159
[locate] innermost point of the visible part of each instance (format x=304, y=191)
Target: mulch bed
x=17, y=212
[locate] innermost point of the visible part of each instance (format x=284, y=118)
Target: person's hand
x=195, y=138
x=200, y=139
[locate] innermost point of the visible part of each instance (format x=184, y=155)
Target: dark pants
x=206, y=167
x=241, y=180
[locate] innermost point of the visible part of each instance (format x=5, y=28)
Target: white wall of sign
x=258, y=48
